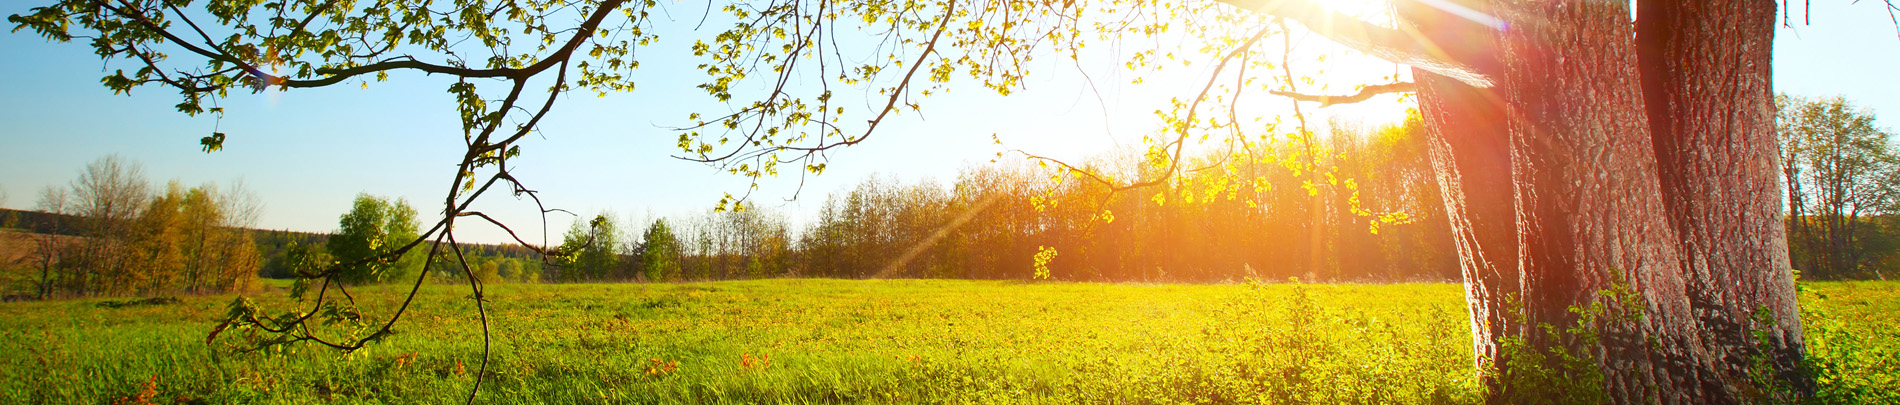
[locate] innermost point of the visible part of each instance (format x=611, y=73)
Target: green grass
x=826, y=341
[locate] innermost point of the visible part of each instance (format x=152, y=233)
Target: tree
x=659, y=252
x=48, y=249
x=1839, y=168
x=158, y=242
x=1581, y=151
x=510, y=269
x=1664, y=180
x=589, y=252
x=196, y=240
x=367, y=236
x=1578, y=151
x=107, y=196
x=488, y=272
x=305, y=259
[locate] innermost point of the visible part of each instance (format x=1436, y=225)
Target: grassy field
x=825, y=341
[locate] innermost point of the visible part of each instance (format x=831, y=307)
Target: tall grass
x=827, y=341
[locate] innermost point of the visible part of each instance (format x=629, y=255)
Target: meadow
x=857, y=341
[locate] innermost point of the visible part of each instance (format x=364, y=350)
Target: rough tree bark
x=1607, y=152
x=1711, y=108
x=1588, y=198
x=1470, y=154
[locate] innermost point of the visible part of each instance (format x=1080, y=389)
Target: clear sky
x=308, y=152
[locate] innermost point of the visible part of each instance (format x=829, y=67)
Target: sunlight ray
x=1467, y=13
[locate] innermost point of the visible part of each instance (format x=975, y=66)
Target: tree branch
x=1362, y=95
x=1380, y=42
x=337, y=74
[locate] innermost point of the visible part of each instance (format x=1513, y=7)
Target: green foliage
x=659, y=253
x=1044, y=255
x=212, y=143
x=368, y=239
x=1853, y=348
x=254, y=45
x=304, y=262
x=589, y=252
x=488, y=272
x=256, y=330
x=1551, y=372
x=1328, y=344
x=518, y=270
x=1558, y=364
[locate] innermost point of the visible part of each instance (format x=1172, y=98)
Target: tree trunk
x=1595, y=161
x=1589, y=203
x=1471, y=159
x=46, y=244
x=1798, y=233
x=1712, y=115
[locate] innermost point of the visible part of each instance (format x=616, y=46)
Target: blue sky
x=306, y=153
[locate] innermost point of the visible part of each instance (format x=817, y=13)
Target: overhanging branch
x=1380, y=42
x=1363, y=94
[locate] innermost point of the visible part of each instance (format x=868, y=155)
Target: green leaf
x=212, y=143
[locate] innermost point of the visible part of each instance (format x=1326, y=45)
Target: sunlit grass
x=829, y=341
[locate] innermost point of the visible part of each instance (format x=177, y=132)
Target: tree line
x=1368, y=192
x=376, y=225
x=1358, y=205
x=1843, y=188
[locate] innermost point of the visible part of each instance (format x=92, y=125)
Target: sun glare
x=1337, y=70
x=1372, y=10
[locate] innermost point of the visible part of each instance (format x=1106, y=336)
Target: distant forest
x=1362, y=201
x=1359, y=205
